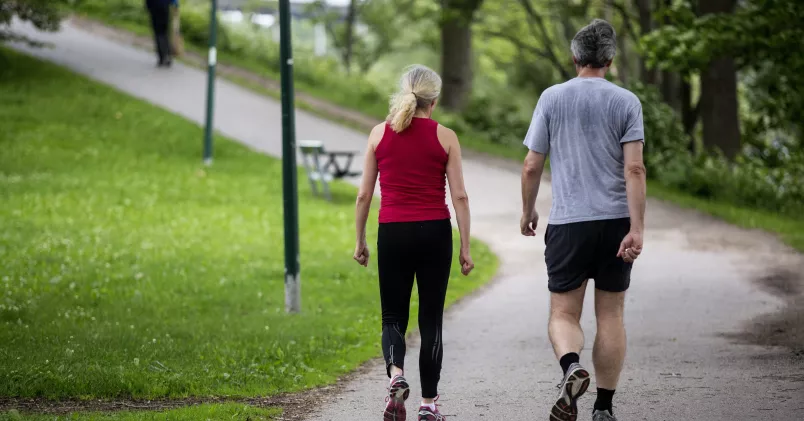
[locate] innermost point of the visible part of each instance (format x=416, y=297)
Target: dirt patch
x=782, y=328
x=782, y=282
x=777, y=270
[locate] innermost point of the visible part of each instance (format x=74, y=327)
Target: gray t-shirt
x=581, y=124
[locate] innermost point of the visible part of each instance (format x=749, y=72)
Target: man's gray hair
x=595, y=44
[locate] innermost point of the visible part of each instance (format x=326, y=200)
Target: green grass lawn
x=213, y=412
x=131, y=270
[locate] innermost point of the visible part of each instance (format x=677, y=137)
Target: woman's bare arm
x=366, y=194
x=460, y=200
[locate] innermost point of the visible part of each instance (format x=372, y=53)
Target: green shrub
x=767, y=176
x=130, y=11
x=501, y=121
x=195, y=28
x=665, y=140
x=453, y=121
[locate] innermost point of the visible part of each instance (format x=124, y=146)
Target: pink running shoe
x=427, y=414
x=397, y=394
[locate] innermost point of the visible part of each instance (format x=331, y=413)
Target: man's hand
x=531, y=177
x=527, y=224
x=362, y=254
x=466, y=262
x=631, y=247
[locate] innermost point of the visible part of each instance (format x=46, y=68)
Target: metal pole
x=211, y=63
x=290, y=196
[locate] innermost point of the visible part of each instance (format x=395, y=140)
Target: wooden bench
x=323, y=166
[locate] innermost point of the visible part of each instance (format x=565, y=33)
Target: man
x=592, y=131
x=160, y=22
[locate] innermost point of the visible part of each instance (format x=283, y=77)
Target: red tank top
x=413, y=169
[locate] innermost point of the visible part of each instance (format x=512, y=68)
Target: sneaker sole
x=576, y=386
x=395, y=410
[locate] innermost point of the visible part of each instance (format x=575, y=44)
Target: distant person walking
x=413, y=155
x=160, y=23
x=592, y=131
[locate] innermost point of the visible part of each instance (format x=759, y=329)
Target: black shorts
x=587, y=250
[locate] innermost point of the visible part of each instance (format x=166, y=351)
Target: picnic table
x=323, y=166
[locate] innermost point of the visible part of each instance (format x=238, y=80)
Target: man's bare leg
x=564, y=326
x=566, y=336
x=608, y=353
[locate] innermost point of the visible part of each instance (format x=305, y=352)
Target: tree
x=456, y=51
x=45, y=15
x=646, y=25
x=668, y=81
x=349, y=36
x=761, y=40
x=341, y=33
x=719, y=113
x=625, y=30
x=387, y=26
x=537, y=43
x=544, y=35
x=673, y=87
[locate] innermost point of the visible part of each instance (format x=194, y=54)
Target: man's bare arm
x=635, y=184
x=531, y=179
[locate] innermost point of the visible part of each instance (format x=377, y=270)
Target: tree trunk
x=456, y=52
x=645, y=8
x=349, y=38
x=689, y=113
x=624, y=65
x=623, y=68
x=721, y=125
x=671, y=89
x=673, y=92
x=718, y=104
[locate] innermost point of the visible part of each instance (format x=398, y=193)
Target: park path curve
x=694, y=286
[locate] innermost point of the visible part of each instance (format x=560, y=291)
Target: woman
x=413, y=155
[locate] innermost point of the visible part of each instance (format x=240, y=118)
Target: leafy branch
x=539, y=30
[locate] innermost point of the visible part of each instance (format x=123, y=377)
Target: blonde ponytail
x=403, y=107
x=419, y=88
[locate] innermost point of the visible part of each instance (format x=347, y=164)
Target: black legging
x=423, y=250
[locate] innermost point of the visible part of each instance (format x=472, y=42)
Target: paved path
x=693, y=284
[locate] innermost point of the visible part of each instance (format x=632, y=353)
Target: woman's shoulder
x=447, y=138
x=379, y=128
x=377, y=133
x=445, y=134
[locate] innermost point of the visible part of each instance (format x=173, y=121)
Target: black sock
x=603, y=402
x=568, y=359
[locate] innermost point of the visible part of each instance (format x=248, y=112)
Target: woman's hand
x=362, y=254
x=466, y=262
